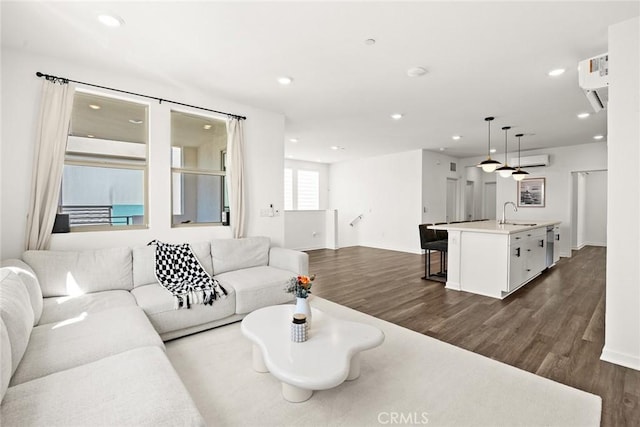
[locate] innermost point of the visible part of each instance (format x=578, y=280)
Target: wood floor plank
x=553, y=326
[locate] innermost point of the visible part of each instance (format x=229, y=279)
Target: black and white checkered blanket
x=179, y=271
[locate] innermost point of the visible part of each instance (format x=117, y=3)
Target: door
x=452, y=200
x=489, y=198
x=469, y=205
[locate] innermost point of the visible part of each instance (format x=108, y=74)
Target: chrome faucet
x=515, y=209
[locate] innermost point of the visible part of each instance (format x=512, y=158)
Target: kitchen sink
x=519, y=223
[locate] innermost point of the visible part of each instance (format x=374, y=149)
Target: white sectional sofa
x=81, y=333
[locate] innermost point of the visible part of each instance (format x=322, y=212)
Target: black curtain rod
x=160, y=100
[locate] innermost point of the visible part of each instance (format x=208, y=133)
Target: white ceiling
x=483, y=58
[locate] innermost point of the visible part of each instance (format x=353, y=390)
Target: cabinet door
x=535, y=257
x=556, y=244
x=516, y=266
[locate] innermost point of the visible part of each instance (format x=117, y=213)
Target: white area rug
x=411, y=379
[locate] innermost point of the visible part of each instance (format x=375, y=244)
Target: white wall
x=558, y=185
x=307, y=230
x=264, y=133
x=581, y=215
x=479, y=179
x=596, y=208
x=622, y=318
x=435, y=171
x=387, y=191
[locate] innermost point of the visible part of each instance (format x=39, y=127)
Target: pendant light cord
x=488, y=120
x=506, y=129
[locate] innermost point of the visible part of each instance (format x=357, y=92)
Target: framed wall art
x=531, y=193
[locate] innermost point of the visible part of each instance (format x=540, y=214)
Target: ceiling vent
x=593, y=78
x=530, y=161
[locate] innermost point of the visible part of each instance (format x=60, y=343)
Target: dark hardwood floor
x=553, y=327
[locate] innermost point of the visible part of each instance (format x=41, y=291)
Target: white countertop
x=492, y=226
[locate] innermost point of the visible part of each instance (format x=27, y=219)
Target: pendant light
x=519, y=174
x=489, y=165
x=505, y=170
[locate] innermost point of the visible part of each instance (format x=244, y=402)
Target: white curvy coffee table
x=328, y=357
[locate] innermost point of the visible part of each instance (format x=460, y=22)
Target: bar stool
x=434, y=240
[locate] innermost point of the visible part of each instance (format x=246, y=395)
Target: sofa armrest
x=288, y=259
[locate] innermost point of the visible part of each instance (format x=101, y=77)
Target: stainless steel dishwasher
x=550, y=237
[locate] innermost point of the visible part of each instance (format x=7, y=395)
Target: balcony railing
x=80, y=216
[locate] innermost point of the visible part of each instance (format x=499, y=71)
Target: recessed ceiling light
x=370, y=42
x=284, y=80
x=598, y=137
x=290, y=156
x=335, y=147
x=110, y=20
x=90, y=136
x=456, y=137
x=94, y=107
x=135, y=122
x=206, y=127
x=556, y=72
x=493, y=150
x=416, y=71
x=583, y=115
x=396, y=116
x=294, y=140
x=442, y=148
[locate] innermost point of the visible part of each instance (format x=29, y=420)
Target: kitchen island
x=495, y=260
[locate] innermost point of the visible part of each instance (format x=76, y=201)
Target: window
x=177, y=183
x=104, y=178
x=198, y=156
x=308, y=190
x=288, y=189
x=301, y=189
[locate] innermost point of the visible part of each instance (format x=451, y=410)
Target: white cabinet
x=527, y=252
x=516, y=260
x=493, y=259
x=556, y=244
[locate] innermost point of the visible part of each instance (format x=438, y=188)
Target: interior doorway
x=588, y=208
x=452, y=200
x=469, y=201
x=489, y=198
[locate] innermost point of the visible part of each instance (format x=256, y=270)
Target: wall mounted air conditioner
x=593, y=78
x=530, y=161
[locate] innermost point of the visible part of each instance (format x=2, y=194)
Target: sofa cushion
x=64, y=273
x=57, y=309
x=158, y=304
x=234, y=254
x=135, y=388
x=30, y=281
x=89, y=337
x=5, y=360
x=257, y=287
x=16, y=313
x=144, y=264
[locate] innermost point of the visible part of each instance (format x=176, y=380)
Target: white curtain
x=48, y=161
x=235, y=176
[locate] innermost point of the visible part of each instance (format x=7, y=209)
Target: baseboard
x=601, y=244
x=417, y=251
x=622, y=359
x=310, y=248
